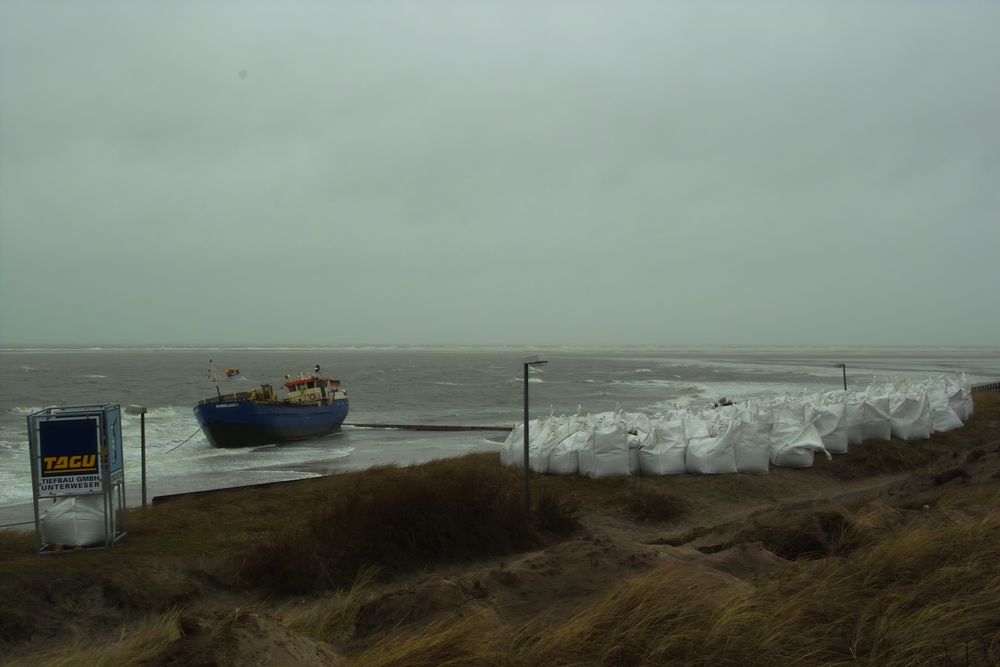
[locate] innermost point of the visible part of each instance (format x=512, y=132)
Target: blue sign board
x=69, y=461
x=73, y=449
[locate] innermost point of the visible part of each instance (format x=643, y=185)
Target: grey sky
x=493, y=172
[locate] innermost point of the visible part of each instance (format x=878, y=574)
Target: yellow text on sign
x=81, y=463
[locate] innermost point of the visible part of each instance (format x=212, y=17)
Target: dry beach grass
x=887, y=555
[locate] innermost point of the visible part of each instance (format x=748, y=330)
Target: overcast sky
x=495, y=172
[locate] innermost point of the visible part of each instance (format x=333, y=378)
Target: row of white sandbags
x=786, y=431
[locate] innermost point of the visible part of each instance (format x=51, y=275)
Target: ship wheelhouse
x=314, y=390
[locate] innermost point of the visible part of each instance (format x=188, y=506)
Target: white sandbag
x=853, y=413
x=541, y=442
x=555, y=432
x=512, y=449
x=607, y=455
x=794, y=446
x=728, y=412
x=712, y=453
x=564, y=458
x=752, y=447
x=791, y=411
x=75, y=521
x=637, y=423
x=637, y=428
x=830, y=422
x=943, y=418
x=875, y=421
x=910, y=415
x=854, y=409
x=634, y=467
x=663, y=451
x=970, y=406
x=957, y=399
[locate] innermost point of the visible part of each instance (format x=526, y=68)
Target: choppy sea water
x=404, y=385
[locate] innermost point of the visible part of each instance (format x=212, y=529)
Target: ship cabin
x=314, y=390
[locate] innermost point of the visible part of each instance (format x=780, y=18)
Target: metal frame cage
x=77, y=463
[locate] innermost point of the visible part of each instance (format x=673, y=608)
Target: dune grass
x=926, y=594
x=332, y=618
x=402, y=519
x=142, y=643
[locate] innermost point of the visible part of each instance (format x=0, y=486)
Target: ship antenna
x=214, y=378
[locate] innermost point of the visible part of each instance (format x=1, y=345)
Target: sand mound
x=242, y=638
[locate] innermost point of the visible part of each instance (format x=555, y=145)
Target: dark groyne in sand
x=431, y=427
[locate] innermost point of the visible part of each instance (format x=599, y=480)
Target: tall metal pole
x=844, y=367
x=142, y=427
x=527, y=503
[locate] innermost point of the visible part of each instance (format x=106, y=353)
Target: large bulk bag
x=564, y=459
x=854, y=409
x=875, y=421
x=607, y=455
x=791, y=412
x=728, y=412
x=634, y=445
x=967, y=394
x=752, y=446
x=512, y=449
x=830, y=423
x=957, y=399
x=75, y=521
x=637, y=426
x=540, y=444
x=794, y=445
x=910, y=416
x=853, y=413
x=713, y=452
x=664, y=450
x=943, y=418
x=637, y=423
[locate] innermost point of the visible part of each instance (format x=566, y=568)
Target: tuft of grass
x=447, y=642
x=661, y=618
x=141, y=643
x=331, y=619
x=401, y=519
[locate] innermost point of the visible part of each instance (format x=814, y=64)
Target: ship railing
x=226, y=398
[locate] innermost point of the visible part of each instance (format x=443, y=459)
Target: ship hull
x=248, y=423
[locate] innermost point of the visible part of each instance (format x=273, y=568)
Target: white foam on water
x=15, y=487
x=650, y=384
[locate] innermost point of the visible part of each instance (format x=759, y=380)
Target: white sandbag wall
x=750, y=437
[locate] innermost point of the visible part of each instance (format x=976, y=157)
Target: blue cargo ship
x=311, y=407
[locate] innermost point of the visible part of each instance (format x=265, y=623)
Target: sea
x=405, y=385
